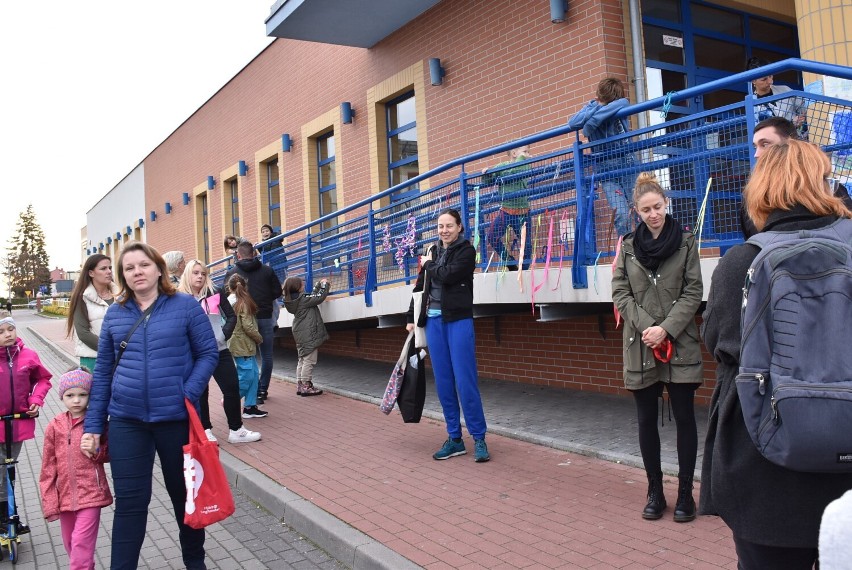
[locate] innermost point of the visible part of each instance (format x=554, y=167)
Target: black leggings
x=226, y=377
x=682, y=398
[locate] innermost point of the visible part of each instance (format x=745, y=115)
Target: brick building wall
x=568, y=354
x=510, y=72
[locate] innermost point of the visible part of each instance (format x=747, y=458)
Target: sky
x=90, y=88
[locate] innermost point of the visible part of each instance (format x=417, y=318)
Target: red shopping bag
x=208, y=495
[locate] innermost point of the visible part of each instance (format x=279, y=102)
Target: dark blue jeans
x=132, y=445
x=268, y=333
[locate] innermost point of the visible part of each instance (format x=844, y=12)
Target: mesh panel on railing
x=533, y=198
x=701, y=160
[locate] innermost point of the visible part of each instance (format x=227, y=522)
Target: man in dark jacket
x=265, y=289
x=770, y=132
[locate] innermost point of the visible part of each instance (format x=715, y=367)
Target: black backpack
x=795, y=378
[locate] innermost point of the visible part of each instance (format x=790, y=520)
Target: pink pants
x=80, y=533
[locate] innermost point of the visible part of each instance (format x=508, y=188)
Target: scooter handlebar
x=17, y=416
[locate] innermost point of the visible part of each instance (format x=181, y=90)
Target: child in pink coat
x=24, y=383
x=74, y=487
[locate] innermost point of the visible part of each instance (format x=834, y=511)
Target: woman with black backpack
x=773, y=512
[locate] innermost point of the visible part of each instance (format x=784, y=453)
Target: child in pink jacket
x=74, y=487
x=24, y=383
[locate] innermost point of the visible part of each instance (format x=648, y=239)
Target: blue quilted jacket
x=171, y=355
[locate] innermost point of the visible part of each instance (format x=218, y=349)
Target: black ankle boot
x=656, y=499
x=685, y=507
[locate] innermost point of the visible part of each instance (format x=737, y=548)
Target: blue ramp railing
x=565, y=199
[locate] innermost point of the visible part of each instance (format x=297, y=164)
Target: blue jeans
x=132, y=445
x=268, y=334
x=453, y=350
x=499, y=223
x=248, y=375
x=618, y=191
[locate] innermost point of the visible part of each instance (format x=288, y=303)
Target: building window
x=234, y=190
x=205, y=228
x=327, y=180
x=402, y=144
x=273, y=195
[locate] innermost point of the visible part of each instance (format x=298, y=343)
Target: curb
x=348, y=545
x=343, y=542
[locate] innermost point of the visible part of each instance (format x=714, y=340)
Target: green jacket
x=308, y=328
x=669, y=299
x=519, y=202
x=246, y=336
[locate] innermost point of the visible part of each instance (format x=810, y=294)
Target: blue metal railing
x=376, y=240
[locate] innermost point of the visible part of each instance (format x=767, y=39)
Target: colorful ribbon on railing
x=535, y=288
x=521, y=256
x=667, y=104
x=699, y=223
x=476, y=226
x=563, y=239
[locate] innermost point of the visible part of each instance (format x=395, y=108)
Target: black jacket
x=761, y=502
x=456, y=277
x=263, y=285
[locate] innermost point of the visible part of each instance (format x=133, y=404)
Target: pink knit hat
x=77, y=378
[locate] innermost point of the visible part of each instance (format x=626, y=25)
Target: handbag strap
x=196, y=430
x=123, y=344
x=403, y=358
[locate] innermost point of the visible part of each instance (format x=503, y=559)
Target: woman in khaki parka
x=657, y=288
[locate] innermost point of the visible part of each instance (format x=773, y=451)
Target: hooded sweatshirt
x=263, y=285
x=23, y=382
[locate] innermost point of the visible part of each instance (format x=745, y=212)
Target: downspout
x=638, y=58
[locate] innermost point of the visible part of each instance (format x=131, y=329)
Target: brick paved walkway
x=532, y=506
x=251, y=539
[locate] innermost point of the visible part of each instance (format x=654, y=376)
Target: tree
x=28, y=270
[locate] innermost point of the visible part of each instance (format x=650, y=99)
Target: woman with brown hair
x=156, y=349
x=657, y=288
x=773, y=512
x=92, y=296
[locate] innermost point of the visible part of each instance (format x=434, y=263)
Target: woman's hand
x=409, y=327
x=653, y=336
x=33, y=410
x=90, y=444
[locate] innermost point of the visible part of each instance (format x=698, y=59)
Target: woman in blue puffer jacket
x=169, y=356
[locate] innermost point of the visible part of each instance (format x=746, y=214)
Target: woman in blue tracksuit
x=446, y=279
x=169, y=356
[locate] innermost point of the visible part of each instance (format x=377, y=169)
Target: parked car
x=44, y=302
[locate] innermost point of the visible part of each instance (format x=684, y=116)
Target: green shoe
x=480, y=451
x=450, y=449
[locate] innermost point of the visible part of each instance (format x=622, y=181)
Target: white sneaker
x=210, y=435
x=243, y=435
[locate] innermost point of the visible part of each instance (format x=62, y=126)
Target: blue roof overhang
x=355, y=23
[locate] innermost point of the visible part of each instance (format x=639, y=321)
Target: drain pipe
x=638, y=58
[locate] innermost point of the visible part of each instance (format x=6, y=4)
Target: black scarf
x=652, y=252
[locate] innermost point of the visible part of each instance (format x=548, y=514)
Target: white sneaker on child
x=243, y=435
x=210, y=436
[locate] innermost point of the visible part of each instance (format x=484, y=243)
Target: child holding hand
x=73, y=482
x=24, y=383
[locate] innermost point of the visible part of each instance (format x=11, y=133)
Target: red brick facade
x=510, y=72
x=565, y=354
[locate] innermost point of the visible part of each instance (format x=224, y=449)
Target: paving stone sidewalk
x=531, y=506
x=251, y=539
